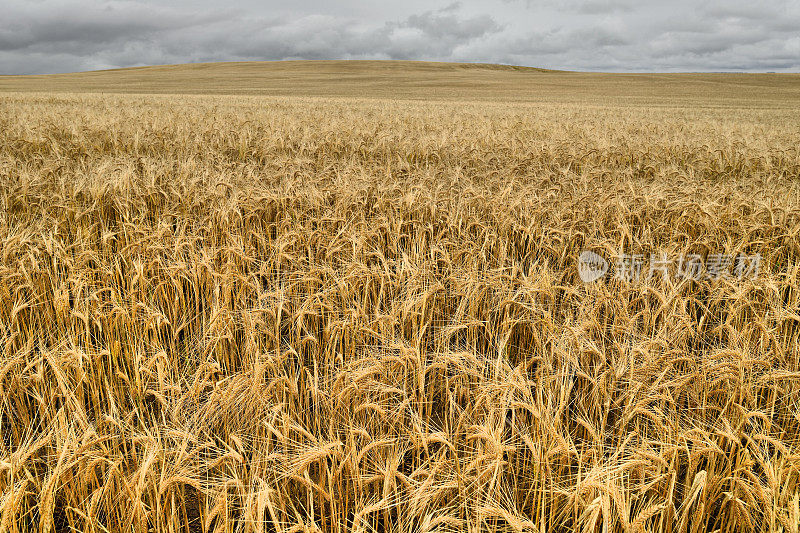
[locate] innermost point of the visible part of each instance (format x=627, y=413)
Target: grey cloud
x=591, y=7
x=604, y=6
x=778, y=16
x=126, y=34
x=433, y=34
x=670, y=44
x=751, y=11
x=444, y=24
x=116, y=21
x=562, y=41
x=69, y=35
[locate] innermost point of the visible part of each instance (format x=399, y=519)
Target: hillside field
x=346, y=296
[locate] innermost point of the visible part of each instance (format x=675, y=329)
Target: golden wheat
x=307, y=314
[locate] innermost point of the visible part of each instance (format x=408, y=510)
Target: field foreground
x=236, y=313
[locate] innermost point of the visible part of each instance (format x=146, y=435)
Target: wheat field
x=347, y=310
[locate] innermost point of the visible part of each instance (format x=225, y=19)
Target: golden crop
x=284, y=314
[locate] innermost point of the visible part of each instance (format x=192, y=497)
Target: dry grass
x=311, y=314
x=427, y=82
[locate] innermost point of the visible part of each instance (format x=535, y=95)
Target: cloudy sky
x=44, y=36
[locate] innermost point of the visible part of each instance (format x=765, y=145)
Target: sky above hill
x=44, y=36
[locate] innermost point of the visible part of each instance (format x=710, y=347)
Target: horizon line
x=509, y=66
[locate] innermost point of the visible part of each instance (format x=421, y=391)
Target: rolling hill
x=424, y=81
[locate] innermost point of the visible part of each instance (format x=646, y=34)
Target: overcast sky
x=44, y=36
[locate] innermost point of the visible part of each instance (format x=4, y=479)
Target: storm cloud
x=47, y=36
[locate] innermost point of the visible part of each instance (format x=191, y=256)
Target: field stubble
x=299, y=314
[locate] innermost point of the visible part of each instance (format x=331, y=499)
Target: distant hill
x=423, y=80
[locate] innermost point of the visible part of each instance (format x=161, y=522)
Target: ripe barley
x=293, y=314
